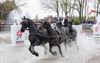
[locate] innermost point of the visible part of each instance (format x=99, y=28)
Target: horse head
x=24, y=24
x=28, y=23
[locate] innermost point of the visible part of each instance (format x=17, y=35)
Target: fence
x=5, y=27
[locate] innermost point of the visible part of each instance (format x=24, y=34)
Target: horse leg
x=76, y=45
x=50, y=47
x=34, y=52
x=31, y=48
x=60, y=50
x=45, y=49
x=65, y=42
x=69, y=41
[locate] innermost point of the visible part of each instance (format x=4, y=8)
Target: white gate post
x=96, y=31
x=78, y=28
x=14, y=29
x=96, y=27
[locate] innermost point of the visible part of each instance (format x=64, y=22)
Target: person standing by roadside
x=65, y=21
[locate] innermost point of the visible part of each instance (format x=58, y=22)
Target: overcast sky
x=33, y=8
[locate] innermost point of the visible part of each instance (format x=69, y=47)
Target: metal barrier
x=87, y=25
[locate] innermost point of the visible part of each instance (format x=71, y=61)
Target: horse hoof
x=55, y=53
x=36, y=54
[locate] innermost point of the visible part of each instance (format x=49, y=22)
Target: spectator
x=66, y=21
x=50, y=19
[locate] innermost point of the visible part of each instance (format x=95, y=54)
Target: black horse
x=53, y=38
x=69, y=34
x=35, y=36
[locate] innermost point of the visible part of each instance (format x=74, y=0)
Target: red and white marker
x=19, y=33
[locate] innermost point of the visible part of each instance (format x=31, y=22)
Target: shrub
x=1, y=17
x=76, y=21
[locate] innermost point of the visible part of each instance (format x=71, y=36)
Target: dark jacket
x=66, y=22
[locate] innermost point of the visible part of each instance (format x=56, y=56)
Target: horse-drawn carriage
x=46, y=34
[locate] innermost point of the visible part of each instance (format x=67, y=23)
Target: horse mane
x=47, y=24
x=31, y=21
x=50, y=31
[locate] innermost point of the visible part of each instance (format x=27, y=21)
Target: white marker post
x=96, y=33
x=78, y=28
x=14, y=38
x=96, y=27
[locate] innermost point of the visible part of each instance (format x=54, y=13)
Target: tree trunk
x=85, y=9
x=57, y=14
x=80, y=15
x=57, y=9
x=97, y=9
x=66, y=13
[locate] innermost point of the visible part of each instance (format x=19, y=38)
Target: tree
x=98, y=5
x=99, y=1
x=6, y=7
x=65, y=6
x=51, y=5
x=79, y=6
x=85, y=5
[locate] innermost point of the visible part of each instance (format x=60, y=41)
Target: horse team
x=53, y=35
